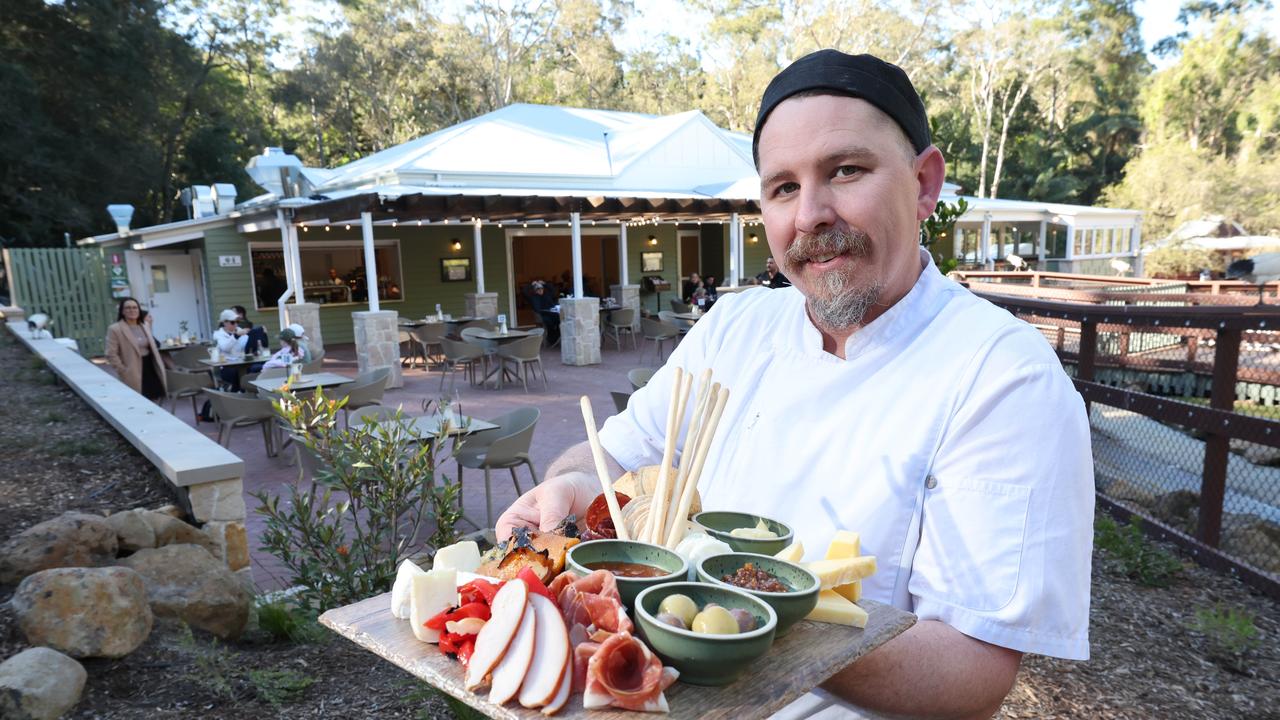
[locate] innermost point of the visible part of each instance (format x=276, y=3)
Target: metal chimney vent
x=202, y=201
x=224, y=198
x=122, y=214
x=274, y=170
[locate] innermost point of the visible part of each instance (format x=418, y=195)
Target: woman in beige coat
x=132, y=351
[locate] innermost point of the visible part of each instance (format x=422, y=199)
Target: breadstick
x=602, y=469
x=705, y=437
x=669, y=448
x=706, y=396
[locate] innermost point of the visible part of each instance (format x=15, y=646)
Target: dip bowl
x=791, y=606
x=669, y=565
x=704, y=659
x=719, y=523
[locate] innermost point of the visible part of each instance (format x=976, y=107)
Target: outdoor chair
x=236, y=410
x=426, y=339
x=316, y=365
x=183, y=384
x=680, y=307
x=670, y=318
x=372, y=413
x=478, y=323
x=188, y=358
x=620, y=322
x=406, y=343
x=639, y=377
x=659, y=332
x=506, y=446
x=490, y=346
x=522, y=353
x=458, y=353
x=620, y=399
x=367, y=389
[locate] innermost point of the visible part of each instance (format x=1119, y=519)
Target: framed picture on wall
x=455, y=269
x=651, y=261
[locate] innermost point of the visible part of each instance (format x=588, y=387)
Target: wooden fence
x=69, y=285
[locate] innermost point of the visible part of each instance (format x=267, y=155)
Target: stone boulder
x=84, y=612
x=1179, y=509
x=188, y=583
x=1256, y=453
x=70, y=540
x=1252, y=539
x=40, y=684
x=1123, y=489
x=133, y=532
x=172, y=531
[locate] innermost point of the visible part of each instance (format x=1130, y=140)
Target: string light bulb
x=457, y=244
x=653, y=240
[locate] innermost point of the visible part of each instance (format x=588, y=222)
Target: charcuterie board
x=797, y=663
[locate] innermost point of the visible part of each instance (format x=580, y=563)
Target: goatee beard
x=839, y=302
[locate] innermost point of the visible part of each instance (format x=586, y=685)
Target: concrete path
x=559, y=427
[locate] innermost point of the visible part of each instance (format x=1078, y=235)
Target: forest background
x=106, y=101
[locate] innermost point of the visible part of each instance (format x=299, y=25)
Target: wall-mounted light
x=653, y=240
x=305, y=228
x=753, y=238
x=326, y=228
x=346, y=227
x=457, y=244
x=395, y=223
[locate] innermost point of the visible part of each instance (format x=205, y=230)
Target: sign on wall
x=228, y=261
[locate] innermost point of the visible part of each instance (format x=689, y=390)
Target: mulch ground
x=1149, y=660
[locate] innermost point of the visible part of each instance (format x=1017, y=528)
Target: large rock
x=39, y=684
x=70, y=540
x=1179, y=509
x=1124, y=489
x=133, y=532
x=188, y=583
x=1252, y=539
x=172, y=531
x=1256, y=453
x=84, y=612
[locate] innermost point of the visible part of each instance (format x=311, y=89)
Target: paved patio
x=559, y=427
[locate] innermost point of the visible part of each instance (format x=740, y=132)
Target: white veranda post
x=622, y=253
x=288, y=236
x=734, y=270
x=479, y=257
x=575, y=224
x=1044, y=232
x=984, y=251
x=370, y=261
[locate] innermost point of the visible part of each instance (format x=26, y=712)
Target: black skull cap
x=867, y=77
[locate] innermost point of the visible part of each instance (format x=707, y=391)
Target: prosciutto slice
x=623, y=673
x=592, y=602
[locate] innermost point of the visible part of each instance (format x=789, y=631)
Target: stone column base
x=13, y=313
x=308, y=316
x=484, y=305
x=628, y=296
x=377, y=340
x=580, y=331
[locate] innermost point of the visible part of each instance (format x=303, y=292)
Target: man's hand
x=548, y=503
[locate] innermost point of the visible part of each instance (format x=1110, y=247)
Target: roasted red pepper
x=468, y=610
x=531, y=579
x=478, y=591
x=466, y=648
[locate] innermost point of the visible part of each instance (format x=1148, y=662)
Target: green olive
x=715, y=621
x=682, y=606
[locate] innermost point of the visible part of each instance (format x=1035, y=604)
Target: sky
x=652, y=17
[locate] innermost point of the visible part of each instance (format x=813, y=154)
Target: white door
x=171, y=290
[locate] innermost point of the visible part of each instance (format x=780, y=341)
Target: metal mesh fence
x=1163, y=446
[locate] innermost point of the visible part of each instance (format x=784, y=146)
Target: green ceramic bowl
x=705, y=659
x=791, y=607
x=583, y=555
x=719, y=524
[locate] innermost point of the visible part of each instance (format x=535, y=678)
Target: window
x=159, y=279
x=332, y=272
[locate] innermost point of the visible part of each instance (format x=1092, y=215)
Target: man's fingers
x=518, y=515
x=553, y=510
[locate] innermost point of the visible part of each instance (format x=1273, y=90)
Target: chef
x=876, y=395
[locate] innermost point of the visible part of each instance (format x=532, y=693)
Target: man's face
x=842, y=202
x=770, y=265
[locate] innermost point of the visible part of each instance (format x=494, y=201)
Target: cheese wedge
x=851, y=592
x=429, y=595
x=845, y=544
x=792, y=553
x=834, y=609
x=834, y=573
x=400, y=590
x=464, y=556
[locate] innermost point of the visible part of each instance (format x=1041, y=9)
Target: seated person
x=542, y=302
x=231, y=340
x=772, y=277
x=257, y=335
x=691, y=286
x=293, y=348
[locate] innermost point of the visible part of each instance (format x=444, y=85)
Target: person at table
x=691, y=285
x=231, y=340
x=293, y=348
x=542, y=302
x=885, y=399
x=772, y=277
x=257, y=335
x=132, y=351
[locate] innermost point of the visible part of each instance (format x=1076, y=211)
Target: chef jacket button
x=931, y=482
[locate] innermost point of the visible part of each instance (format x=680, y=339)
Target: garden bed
x=1149, y=660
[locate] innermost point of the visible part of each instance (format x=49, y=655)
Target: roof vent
x=224, y=198
x=199, y=199
x=275, y=170
x=122, y=214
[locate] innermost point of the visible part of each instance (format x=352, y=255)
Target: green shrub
x=1231, y=633
x=279, y=687
x=284, y=623
x=1129, y=552
x=342, y=533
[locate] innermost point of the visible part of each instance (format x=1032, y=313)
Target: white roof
x=1002, y=210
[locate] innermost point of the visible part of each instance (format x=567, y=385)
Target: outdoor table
x=241, y=363
x=691, y=317
x=426, y=427
x=305, y=382
x=177, y=346
x=500, y=338
x=798, y=662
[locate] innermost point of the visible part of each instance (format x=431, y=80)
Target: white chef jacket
x=950, y=438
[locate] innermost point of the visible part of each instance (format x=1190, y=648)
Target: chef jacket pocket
x=971, y=539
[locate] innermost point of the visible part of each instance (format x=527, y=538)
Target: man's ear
x=931, y=170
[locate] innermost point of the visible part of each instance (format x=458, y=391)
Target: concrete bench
x=206, y=476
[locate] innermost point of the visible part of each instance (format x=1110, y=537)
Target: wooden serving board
x=797, y=663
